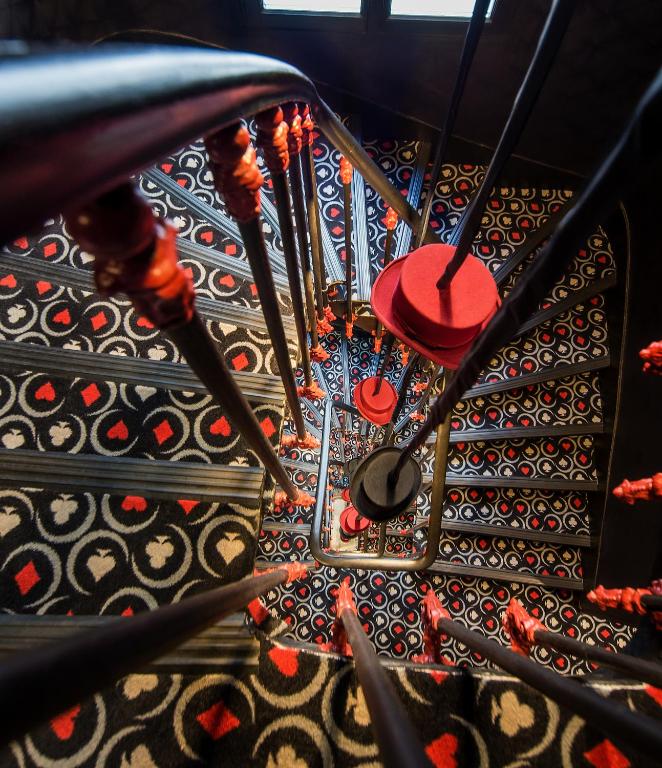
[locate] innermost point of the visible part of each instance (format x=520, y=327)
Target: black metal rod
x=384, y=360
x=633, y=728
x=398, y=743
x=471, y=41
x=403, y=386
x=251, y=234
x=633, y=157
x=314, y=312
x=202, y=354
x=388, y=246
x=312, y=206
x=347, y=208
x=640, y=669
x=548, y=45
x=38, y=684
x=282, y=196
x=652, y=602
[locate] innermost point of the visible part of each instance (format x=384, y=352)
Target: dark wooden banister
x=77, y=123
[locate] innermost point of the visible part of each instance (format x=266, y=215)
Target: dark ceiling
x=610, y=53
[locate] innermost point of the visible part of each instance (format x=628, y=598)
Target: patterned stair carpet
x=303, y=709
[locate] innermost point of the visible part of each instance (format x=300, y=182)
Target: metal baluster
x=630, y=159
x=272, y=138
x=471, y=40
x=238, y=179
x=398, y=743
x=314, y=306
x=384, y=360
x=640, y=732
x=135, y=254
x=391, y=221
x=312, y=207
x=346, y=172
x=403, y=384
x=525, y=632
x=632, y=599
x=39, y=684
x=548, y=45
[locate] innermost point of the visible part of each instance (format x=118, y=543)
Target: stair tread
x=76, y=319
x=257, y=387
x=517, y=510
x=49, y=412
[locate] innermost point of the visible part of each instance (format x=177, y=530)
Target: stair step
x=576, y=337
x=17, y=355
x=131, y=476
x=561, y=517
x=489, y=434
x=534, y=483
x=569, y=458
x=573, y=401
x=219, y=648
x=404, y=163
x=74, y=319
x=195, y=198
x=506, y=558
x=284, y=545
x=90, y=416
x=592, y=265
x=69, y=277
x=494, y=384
x=52, y=245
x=556, y=308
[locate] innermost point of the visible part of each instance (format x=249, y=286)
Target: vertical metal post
x=346, y=172
x=471, y=41
x=641, y=732
x=237, y=177
x=384, y=360
x=312, y=207
x=398, y=743
x=272, y=133
x=548, y=44
x=295, y=145
x=136, y=254
x=403, y=385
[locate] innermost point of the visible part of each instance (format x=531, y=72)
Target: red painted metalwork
x=431, y=611
x=294, y=570
x=307, y=126
x=417, y=416
x=628, y=598
x=652, y=355
x=237, y=177
x=639, y=490
x=295, y=134
x=272, y=133
x=318, y=354
x=346, y=170
x=135, y=254
x=344, y=602
x=328, y=314
x=521, y=627
x=292, y=441
x=302, y=499
x=311, y=392
x=420, y=386
x=441, y=328
x=391, y=219
x=404, y=354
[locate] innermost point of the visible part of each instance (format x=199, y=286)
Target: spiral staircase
x=126, y=487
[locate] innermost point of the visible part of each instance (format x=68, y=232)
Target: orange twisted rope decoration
x=391, y=219
x=272, y=134
x=346, y=170
x=236, y=174
x=521, y=627
x=295, y=135
x=645, y=489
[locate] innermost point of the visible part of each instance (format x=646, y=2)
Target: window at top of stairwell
x=443, y=9
x=314, y=6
